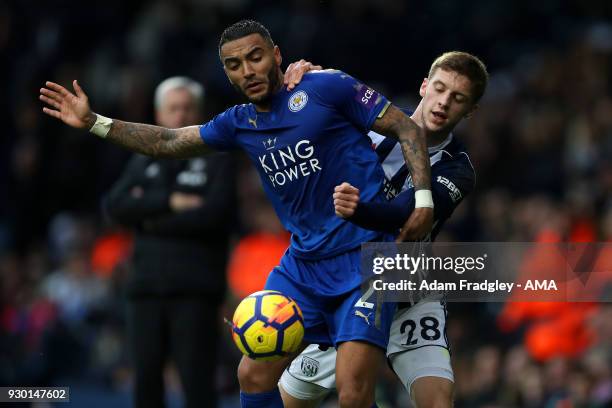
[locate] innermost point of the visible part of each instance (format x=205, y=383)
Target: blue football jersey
x=312, y=139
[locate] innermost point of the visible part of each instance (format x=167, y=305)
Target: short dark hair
x=242, y=29
x=465, y=64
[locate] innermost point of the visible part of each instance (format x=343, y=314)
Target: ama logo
x=535, y=284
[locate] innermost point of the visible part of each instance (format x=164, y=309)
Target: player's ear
x=278, y=58
x=423, y=87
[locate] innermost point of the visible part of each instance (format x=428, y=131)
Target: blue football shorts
x=328, y=292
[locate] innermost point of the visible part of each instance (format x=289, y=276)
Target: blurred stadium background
x=541, y=145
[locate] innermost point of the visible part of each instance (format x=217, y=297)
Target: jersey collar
x=276, y=101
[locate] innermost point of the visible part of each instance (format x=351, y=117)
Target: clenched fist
x=346, y=198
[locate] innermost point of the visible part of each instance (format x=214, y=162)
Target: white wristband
x=102, y=126
x=422, y=198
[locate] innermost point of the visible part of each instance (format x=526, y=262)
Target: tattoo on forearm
x=157, y=141
x=416, y=155
x=397, y=125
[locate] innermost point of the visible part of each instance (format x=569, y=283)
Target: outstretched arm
x=395, y=124
x=73, y=109
x=157, y=141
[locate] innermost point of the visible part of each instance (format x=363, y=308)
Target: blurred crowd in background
x=541, y=144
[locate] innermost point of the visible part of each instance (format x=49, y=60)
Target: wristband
x=422, y=198
x=102, y=126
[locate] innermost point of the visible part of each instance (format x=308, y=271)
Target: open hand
x=72, y=109
x=346, y=198
x=296, y=70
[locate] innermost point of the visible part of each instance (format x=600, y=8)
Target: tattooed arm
x=395, y=124
x=74, y=110
x=157, y=141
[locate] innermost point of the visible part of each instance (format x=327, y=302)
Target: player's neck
x=432, y=138
x=263, y=106
x=435, y=138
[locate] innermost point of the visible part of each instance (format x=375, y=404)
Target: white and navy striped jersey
x=452, y=174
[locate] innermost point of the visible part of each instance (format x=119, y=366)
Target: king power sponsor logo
x=290, y=163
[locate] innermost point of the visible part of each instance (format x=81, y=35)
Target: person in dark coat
x=181, y=212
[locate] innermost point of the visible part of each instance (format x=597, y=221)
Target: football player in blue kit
x=303, y=143
x=418, y=350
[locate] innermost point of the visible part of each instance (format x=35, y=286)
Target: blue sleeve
x=219, y=132
x=451, y=183
x=359, y=103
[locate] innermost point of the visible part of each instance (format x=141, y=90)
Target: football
x=267, y=326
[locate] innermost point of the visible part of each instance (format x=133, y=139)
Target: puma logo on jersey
x=253, y=122
x=359, y=313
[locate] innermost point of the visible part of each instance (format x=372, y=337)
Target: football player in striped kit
x=418, y=349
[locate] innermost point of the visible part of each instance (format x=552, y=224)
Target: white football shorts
x=417, y=348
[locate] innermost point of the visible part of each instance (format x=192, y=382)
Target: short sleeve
x=359, y=103
x=219, y=132
x=450, y=184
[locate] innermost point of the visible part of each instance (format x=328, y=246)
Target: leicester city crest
x=297, y=101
